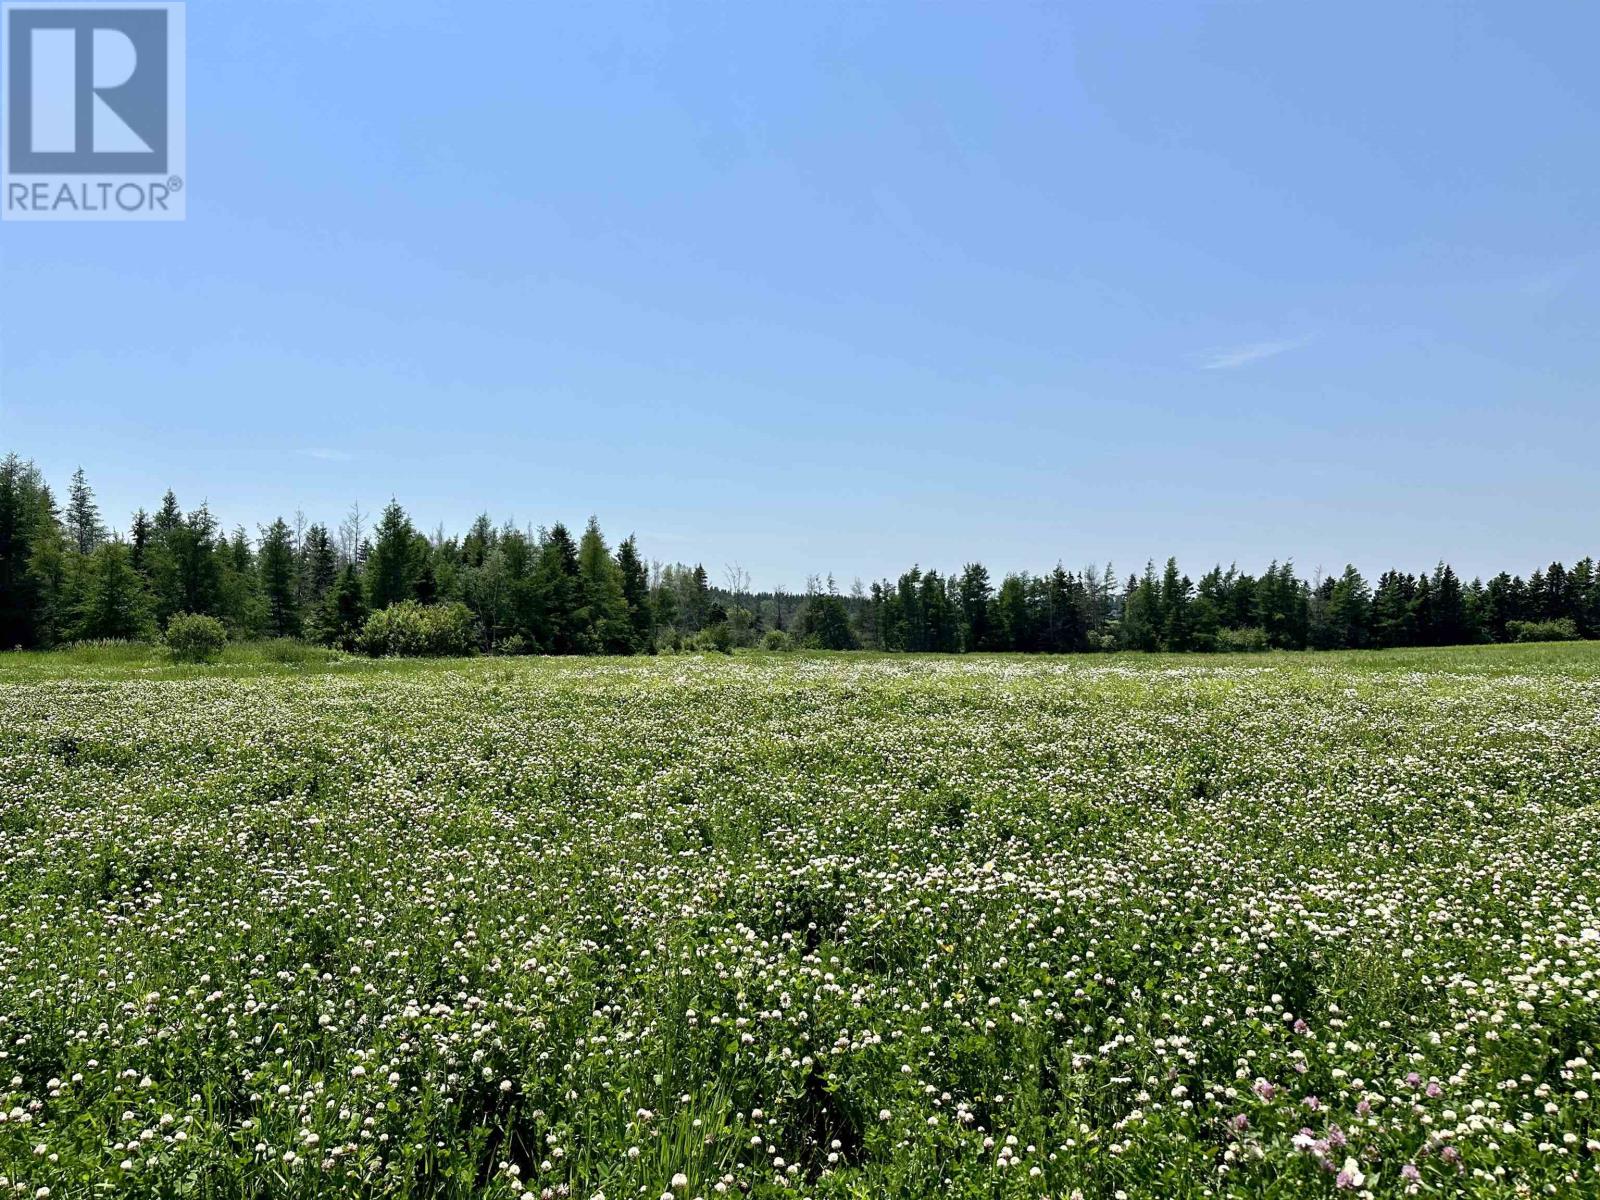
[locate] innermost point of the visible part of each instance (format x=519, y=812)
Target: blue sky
x=839, y=287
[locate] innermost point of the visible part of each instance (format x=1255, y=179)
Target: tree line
x=66, y=577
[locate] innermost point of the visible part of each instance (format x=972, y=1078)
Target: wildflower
x=1350, y=1175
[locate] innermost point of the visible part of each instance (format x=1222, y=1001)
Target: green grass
x=298, y=924
x=139, y=659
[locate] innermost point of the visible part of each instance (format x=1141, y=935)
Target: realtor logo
x=93, y=127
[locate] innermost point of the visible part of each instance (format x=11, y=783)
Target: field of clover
x=804, y=927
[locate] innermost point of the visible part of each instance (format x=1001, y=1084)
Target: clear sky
x=843, y=286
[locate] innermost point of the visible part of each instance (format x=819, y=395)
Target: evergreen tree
x=975, y=595
x=1141, y=612
x=1393, y=621
x=244, y=610
x=1350, y=609
x=1212, y=603
x=1011, y=616
x=910, y=634
x=557, y=593
x=1176, y=594
x=824, y=623
x=1281, y=607
x=636, y=594
x=319, y=565
x=697, y=609
x=393, y=565
x=280, y=584
x=139, y=536
x=113, y=602
x=196, y=576
x=1555, y=603
x=84, y=530
x=27, y=525
x=941, y=630
x=1499, y=607
x=1449, y=608
x=345, y=609
x=609, y=630
x=480, y=540
x=1065, y=611
x=169, y=516
x=1422, y=616
x=1586, y=598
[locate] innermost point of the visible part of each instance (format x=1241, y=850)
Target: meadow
x=299, y=925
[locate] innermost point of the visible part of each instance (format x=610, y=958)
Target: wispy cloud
x=1243, y=356
x=1549, y=283
x=326, y=455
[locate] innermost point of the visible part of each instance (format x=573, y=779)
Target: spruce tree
x=636, y=593
x=345, y=609
x=697, y=609
x=319, y=565
x=608, y=627
x=26, y=524
x=975, y=596
x=84, y=530
x=557, y=595
x=1174, y=606
x=280, y=585
x=113, y=603
x=1350, y=609
x=1449, y=608
x=392, y=566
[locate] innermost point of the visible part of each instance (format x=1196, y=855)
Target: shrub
x=412, y=630
x=515, y=644
x=192, y=637
x=776, y=639
x=1560, y=630
x=718, y=637
x=289, y=651
x=1250, y=640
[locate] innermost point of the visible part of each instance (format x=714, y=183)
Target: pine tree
x=1393, y=621
x=1449, y=608
x=664, y=603
x=1012, y=616
x=393, y=565
x=345, y=609
x=941, y=625
x=1176, y=592
x=27, y=524
x=557, y=595
x=697, y=609
x=1350, y=609
x=280, y=584
x=824, y=623
x=113, y=603
x=1586, y=598
x=243, y=609
x=319, y=565
x=195, y=584
x=169, y=516
x=139, y=535
x=1141, y=612
x=975, y=595
x=84, y=530
x=636, y=593
x=913, y=635
x=609, y=629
